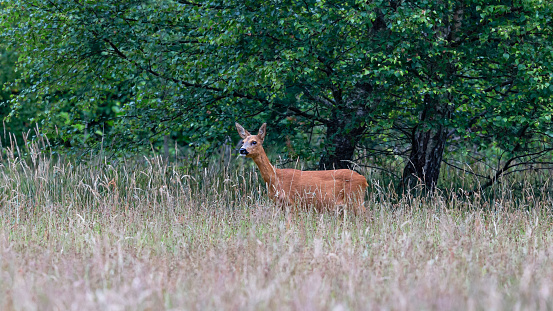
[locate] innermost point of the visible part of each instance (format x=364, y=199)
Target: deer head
x=252, y=145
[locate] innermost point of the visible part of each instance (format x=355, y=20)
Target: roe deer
x=323, y=190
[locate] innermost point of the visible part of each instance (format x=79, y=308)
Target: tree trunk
x=423, y=168
x=428, y=141
x=340, y=146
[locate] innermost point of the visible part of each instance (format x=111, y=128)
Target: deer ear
x=262, y=131
x=242, y=131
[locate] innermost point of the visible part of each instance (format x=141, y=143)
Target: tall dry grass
x=143, y=235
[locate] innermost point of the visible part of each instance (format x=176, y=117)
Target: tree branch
x=236, y=94
x=464, y=170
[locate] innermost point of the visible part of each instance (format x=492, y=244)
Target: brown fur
x=323, y=190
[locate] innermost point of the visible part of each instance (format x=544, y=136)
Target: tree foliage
x=426, y=81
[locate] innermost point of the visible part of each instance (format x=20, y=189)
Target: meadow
x=144, y=235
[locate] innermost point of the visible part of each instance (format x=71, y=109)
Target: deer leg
x=359, y=204
x=361, y=208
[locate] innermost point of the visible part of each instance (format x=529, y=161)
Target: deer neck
x=266, y=169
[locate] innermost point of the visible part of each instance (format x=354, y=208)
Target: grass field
x=144, y=236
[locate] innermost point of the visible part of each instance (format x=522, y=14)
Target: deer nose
x=243, y=151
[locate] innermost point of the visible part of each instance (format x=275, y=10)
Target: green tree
x=418, y=79
x=20, y=124
x=7, y=75
x=477, y=73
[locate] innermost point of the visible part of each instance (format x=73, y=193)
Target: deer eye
x=254, y=142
